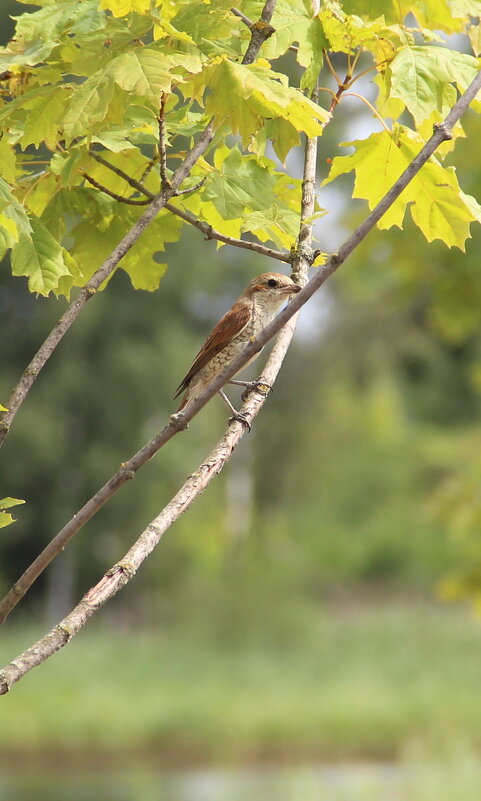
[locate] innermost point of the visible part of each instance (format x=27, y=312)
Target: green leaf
x=280, y=225
x=88, y=106
x=120, y=8
x=347, y=32
x=446, y=15
x=438, y=207
x=7, y=161
x=49, y=24
x=7, y=503
x=418, y=76
x=43, y=261
x=105, y=222
x=13, y=217
x=310, y=52
x=148, y=72
x=44, y=115
x=210, y=25
x=245, y=96
x=243, y=185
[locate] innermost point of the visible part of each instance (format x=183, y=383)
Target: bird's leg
x=259, y=383
x=235, y=414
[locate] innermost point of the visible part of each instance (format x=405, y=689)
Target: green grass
x=377, y=681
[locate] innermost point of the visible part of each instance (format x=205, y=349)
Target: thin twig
x=120, y=172
x=57, y=333
x=366, y=71
x=207, y=230
x=114, y=195
x=191, y=189
x=243, y=17
x=153, y=161
x=164, y=181
x=340, y=89
x=211, y=233
x=369, y=105
x=331, y=68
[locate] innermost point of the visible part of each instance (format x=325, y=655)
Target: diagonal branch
x=120, y=198
x=164, y=181
x=260, y=32
x=210, y=233
x=121, y=573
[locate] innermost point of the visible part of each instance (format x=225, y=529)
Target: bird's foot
x=240, y=418
x=259, y=384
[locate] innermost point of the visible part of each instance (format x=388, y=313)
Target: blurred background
x=310, y=627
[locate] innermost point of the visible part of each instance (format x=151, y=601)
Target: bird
x=244, y=321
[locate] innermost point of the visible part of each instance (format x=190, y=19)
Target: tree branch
x=119, y=198
x=162, y=149
x=211, y=233
x=207, y=230
x=118, y=171
x=260, y=32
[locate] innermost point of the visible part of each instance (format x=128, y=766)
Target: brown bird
x=249, y=315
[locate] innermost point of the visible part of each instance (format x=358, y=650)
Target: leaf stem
x=373, y=109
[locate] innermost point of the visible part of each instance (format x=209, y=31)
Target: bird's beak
x=292, y=289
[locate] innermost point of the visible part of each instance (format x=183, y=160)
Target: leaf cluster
x=80, y=79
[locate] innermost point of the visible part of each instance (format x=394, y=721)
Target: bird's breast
x=263, y=311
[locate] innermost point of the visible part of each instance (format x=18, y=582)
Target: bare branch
x=191, y=189
x=211, y=233
x=119, y=198
x=243, y=17
x=162, y=150
x=153, y=161
x=260, y=31
x=208, y=231
x=57, y=333
x=118, y=171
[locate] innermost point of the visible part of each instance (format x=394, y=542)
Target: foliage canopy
x=88, y=77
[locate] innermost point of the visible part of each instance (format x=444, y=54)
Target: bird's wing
x=228, y=327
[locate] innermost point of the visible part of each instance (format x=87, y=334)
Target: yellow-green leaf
x=44, y=116
x=7, y=161
x=246, y=96
x=437, y=204
x=88, y=105
x=42, y=260
x=7, y=503
x=418, y=76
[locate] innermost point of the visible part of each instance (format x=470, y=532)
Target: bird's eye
x=272, y=282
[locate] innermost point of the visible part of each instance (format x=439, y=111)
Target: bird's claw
x=240, y=418
x=260, y=385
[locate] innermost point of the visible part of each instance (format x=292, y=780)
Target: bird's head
x=271, y=288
